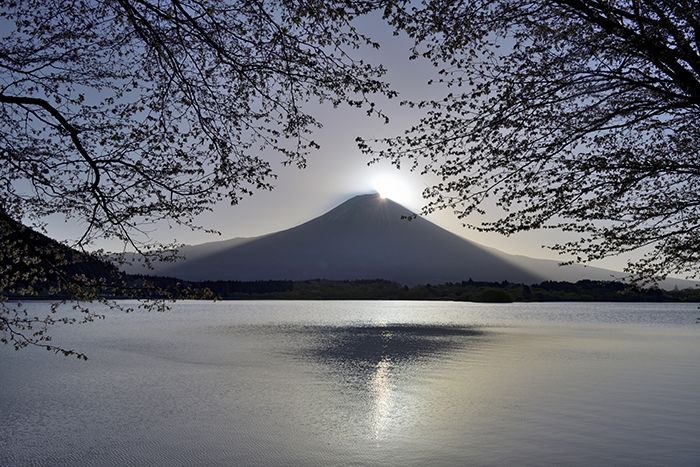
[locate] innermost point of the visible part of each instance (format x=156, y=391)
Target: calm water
x=362, y=384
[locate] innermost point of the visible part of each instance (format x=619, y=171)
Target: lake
x=361, y=383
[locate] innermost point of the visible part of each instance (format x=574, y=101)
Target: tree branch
x=72, y=131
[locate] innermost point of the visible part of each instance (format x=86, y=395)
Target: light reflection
x=384, y=359
x=382, y=389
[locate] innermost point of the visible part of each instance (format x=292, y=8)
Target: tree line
x=472, y=291
x=380, y=289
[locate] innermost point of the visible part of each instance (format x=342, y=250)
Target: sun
x=392, y=188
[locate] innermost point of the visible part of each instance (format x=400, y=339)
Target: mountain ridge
x=366, y=237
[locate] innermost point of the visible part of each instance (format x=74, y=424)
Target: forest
x=379, y=289
x=470, y=291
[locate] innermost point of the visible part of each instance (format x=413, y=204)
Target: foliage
x=574, y=114
x=472, y=291
x=324, y=289
x=33, y=266
x=494, y=296
x=122, y=113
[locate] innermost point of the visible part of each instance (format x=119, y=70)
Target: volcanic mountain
x=366, y=237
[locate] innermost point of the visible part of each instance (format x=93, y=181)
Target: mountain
x=365, y=238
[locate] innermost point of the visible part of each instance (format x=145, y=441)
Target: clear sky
x=339, y=171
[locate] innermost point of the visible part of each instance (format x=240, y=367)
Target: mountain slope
x=363, y=238
x=366, y=238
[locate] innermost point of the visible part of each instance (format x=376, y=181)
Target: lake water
x=362, y=384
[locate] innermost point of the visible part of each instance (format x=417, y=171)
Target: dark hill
x=29, y=258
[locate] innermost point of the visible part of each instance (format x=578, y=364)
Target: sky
x=339, y=171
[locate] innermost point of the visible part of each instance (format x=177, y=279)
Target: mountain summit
x=366, y=237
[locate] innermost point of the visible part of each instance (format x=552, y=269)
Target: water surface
x=362, y=384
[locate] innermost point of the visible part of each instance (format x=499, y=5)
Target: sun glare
x=392, y=188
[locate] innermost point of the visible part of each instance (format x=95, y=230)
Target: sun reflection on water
x=382, y=389
x=382, y=364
